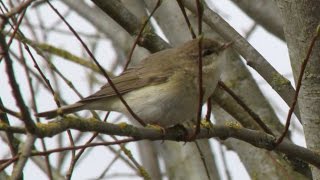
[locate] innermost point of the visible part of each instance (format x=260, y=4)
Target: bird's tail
x=63, y=110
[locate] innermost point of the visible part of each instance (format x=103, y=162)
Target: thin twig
x=18, y=9
x=100, y=67
x=16, y=29
x=200, y=87
x=299, y=82
x=203, y=159
x=9, y=111
x=73, y=156
x=15, y=87
x=123, y=158
x=7, y=162
x=193, y=35
x=11, y=141
x=140, y=33
x=76, y=157
x=255, y=117
x=209, y=108
x=55, y=99
x=82, y=146
x=116, y=157
x=142, y=171
x=250, y=54
x=42, y=75
x=251, y=30
x=34, y=107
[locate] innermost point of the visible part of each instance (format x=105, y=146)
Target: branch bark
x=301, y=19
x=128, y=21
x=255, y=138
x=254, y=59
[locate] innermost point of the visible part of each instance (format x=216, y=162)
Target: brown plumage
x=163, y=82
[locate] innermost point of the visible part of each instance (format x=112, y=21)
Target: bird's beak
x=226, y=45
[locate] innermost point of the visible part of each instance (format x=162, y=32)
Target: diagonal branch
x=254, y=59
x=130, y=23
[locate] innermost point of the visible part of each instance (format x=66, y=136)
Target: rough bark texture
x=301, y=19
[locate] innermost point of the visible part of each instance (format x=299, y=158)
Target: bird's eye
x=207, y=52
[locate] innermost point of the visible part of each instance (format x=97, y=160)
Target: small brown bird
x=162, y=89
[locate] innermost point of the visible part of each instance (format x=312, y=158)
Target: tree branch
x=25, y=153
x=15, y=87
x=255, y=138
x=254, y=59
x=128, y=21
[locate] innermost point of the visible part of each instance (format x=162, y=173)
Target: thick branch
x=128, y=21
x=254, y=59
x=256, y=138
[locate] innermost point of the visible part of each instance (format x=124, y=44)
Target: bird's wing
x=129, y=80
x=138, y=76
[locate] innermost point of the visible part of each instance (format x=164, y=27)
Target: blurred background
x=64, y=61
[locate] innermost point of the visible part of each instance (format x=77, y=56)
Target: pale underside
x=167, y=102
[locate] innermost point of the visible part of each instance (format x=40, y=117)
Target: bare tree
x=49, y=50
